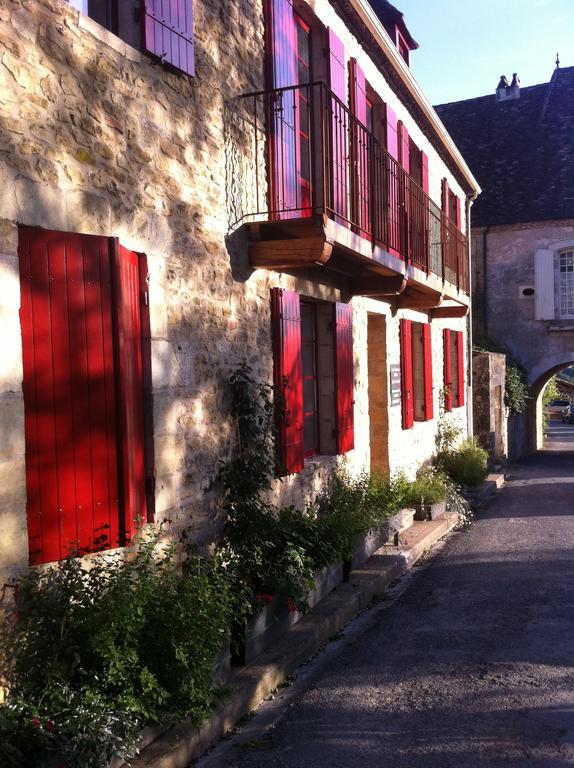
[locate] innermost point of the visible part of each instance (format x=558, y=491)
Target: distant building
x=519, y=144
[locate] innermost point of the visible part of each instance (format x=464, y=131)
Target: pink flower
x=35, y=722
x=50, y=726
x=291, y=605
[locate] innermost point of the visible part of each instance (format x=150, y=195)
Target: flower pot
x=365, y=546
x=398, y=523
x=271, y=621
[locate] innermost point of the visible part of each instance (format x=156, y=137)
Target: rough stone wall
x=489, y=411
x=97, y=138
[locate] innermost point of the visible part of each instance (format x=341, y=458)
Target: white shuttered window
x=565, y=270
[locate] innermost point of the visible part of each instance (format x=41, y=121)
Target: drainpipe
x=469, y=404
x=485, y=278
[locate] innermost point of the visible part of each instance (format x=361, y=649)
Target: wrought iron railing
x=298, y=151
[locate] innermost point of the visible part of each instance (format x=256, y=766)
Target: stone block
x=12, y=437
x=170, y=452
x=9, y=282
x=11, y=358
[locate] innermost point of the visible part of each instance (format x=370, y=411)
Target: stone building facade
x=100, y=138
x=521, y=149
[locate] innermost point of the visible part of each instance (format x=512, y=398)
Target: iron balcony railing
x=298, y=151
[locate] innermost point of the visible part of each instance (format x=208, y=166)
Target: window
x=416, y=372
x=565, y=281
x=454, y=381
x=166, y=28
x=313, y=373
x=85, y=342
x=309, y=372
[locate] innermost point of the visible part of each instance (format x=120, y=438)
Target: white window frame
x=564, y=283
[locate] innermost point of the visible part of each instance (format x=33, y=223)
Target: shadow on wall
x=97, y=144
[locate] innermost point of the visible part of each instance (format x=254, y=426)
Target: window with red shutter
x=309, y=372
x=394, y=185
x=428, y=377
x=167, y=27
x=168, y=32
x=447, y=360
x=339, y=127
x=288, y=378
x=360, y=148
x=344, y=377
x=460, y=368
x=86, y=459
x=407, y=400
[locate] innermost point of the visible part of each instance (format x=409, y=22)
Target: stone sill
x=108, y=38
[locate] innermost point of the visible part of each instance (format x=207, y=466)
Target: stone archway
x=534, y=411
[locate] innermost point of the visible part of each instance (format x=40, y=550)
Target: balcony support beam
x=412, y=299
x=295, y=253
x=449, y=311
x=377, y=286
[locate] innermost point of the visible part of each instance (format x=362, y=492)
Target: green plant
x=456, y=503
x=550, y=392
x=100, y=652
x=430, y=486
x=467, y=464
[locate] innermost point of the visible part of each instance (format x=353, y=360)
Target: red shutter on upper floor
x=129, y=367
x=344, y=377
x=428, y=378
x=403, y=142
x=394, y=186
x=339, y=127
x=282, y=70
x=425, y=166
x=404, y=199
x=360, y=149
x=407, y=400
x=447, y=370
x=288, y=377
x=460, y=367
x=70, y=397
x=168, y=32
x=458, y=213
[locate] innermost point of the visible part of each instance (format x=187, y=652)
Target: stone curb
x=252, y=684
x=482, y=495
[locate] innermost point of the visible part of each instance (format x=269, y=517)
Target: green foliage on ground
x=94, y=654
x=467, y=464
x=551, y=392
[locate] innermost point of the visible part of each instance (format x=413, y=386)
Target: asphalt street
x=473, y=665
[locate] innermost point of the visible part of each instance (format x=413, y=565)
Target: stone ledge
x=480, y=496
x=252, y=684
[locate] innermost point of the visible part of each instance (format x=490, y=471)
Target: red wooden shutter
x=344, y=377
x=393, y=184
x=447, y=371
x=127, y=298
x=460, y=367
x=69, y=393
x=168, y=32
x=339, y=127
x=407, y=400
x=444, y=195
x=360, y=149
x=288, y=375
x=427, y=358
x=404, y=189
x=282, y=65
x=425, y=165
x=458, y=213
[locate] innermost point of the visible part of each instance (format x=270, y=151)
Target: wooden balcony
x=316, y=189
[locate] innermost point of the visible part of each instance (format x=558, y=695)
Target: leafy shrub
x=467, y=464
x=430, y=487
x=100, y=652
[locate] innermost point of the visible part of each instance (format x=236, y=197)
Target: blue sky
x=465, y=45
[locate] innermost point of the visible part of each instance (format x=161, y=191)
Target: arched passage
x=534, y=412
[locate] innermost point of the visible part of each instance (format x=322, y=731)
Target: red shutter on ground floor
x=339, y=126
x=407, y=400
x=129, y=377
x=460, y=367
x=83, y=400
x=288, y=378
x=427, y=360
x=447, y=371
x=344, y=377
x=168, y=32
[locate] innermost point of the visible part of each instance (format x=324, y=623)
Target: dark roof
x=520, y=151
x=390, y=15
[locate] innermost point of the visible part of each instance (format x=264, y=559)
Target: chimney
x=505, y=92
